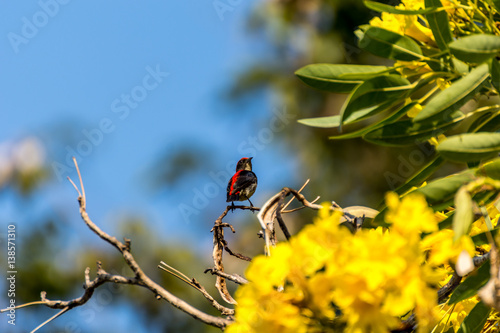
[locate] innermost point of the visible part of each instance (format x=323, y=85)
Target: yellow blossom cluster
x=327, y=279
x=480, y=225
x=454, y=315
x=409, y=25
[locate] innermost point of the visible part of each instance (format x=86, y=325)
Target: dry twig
x=219, y=244
x=139, y=278
x=233, y=277
x=195, y=284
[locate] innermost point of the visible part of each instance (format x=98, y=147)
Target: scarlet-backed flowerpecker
x=243, y=183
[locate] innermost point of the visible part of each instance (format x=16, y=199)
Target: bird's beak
x=250, y=158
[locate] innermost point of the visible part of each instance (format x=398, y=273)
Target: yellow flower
x=274, y=274
x=412, y=113
x=441, y=248
x=480, y=226
x=436, y=140
x=440, y=216
x=411, y=215
x=454, y=315
x=406, y=24
x=269, y=312
x=327, y=277
x=455, y=13
x=442, y=83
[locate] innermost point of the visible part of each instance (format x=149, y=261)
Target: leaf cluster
x=442, y=90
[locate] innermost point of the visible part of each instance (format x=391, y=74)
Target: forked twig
x=196, y=285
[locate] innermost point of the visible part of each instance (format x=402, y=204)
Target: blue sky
x=128, y=80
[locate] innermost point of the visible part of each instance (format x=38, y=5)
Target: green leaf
x=475, y=320
x=439, y=24
x=426, y=79
x=323, y=122
x=406, y=132
x=369, y=111
x=473, y=164
x=384, y=89
x=483, y=238
x=456, y=95
x=332, y=77
x=470, y=147
x=440, y=192
x=490, y=169
x=447, y=222
x=475, y=48
x=421, y=175
x=460, y=66
x=471, y=284
x=487, y=122
x=388, y=44
x=495, y=74
x=491, y=125
x=393, y=116
x=496, y=4
x=463, y=217
x=381, y=7
x=334, y=121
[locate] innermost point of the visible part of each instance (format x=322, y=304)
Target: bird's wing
x=240, y=180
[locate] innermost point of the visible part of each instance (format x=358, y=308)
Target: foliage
x=444, y=58
x=440, y=86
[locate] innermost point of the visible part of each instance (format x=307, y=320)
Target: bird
x=243, y=183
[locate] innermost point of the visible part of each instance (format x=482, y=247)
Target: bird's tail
x=233, y=197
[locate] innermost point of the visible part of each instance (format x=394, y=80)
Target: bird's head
x=244, y=164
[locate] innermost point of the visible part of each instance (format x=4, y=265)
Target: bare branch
x=237, y=255
x=74, y=185
x=282, y=224
x=81, y=181
x=272, y=208
x=60, y=313
x=195, y=284
x=298, y=208
x=448, y=288
x=89, y=287
x=218, y=249
x=174, y=272
x=140, y=278
x=25, y=305
x=300, y=190
x=252, y=208
x=233, y=277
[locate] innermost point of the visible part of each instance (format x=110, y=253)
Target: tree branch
x=195, y=284
x=233, y=277
x=140, y=278
x=218, y=249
